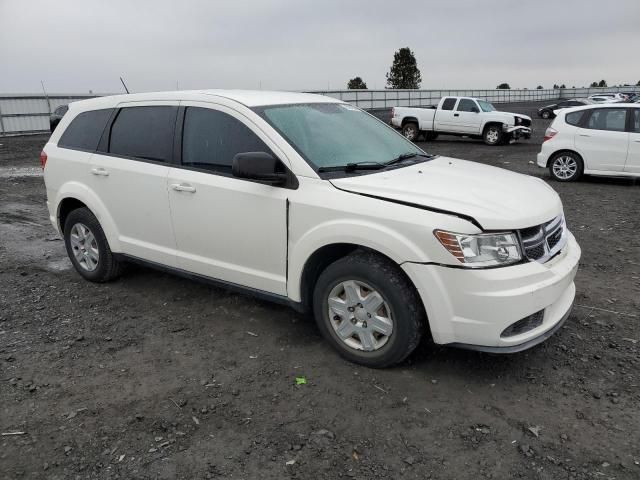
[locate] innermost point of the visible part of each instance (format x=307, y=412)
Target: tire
x=430, y=136
x=566, y=167
x=360, y=276
x=493, y=135
x=88, y=248
x=411, y=131
x=546, y=114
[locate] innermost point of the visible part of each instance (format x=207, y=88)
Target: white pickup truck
x=461, y=116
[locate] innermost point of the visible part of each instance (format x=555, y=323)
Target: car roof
x=598, y=106
x=248, y=98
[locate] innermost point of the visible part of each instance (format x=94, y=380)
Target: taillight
x=549, y=134
x=43, y=159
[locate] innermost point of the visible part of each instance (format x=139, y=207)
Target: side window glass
x=635, y=126
x=574, y=118
x=211, y=139
x=467, y=105
x=84, y=131
x=611, y=119
x=144, y=132
x=448, y=103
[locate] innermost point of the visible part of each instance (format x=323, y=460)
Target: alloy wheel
x=84, y=247
x=565, y=167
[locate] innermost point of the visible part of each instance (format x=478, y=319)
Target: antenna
x=124, y=85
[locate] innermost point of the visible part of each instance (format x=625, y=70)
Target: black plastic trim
x=234, y=287
x=516, y=348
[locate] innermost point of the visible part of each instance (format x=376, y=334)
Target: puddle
x=13, y=172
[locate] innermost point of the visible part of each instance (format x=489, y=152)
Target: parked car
x=631, y=97
x=461, y=116
x=606, y=98
x=547, y=111
x=311, y=202
x=593, y=140
x=56, y=116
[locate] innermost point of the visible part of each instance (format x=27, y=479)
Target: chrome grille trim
x=543, y=242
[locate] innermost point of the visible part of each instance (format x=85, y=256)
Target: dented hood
x=494, y=197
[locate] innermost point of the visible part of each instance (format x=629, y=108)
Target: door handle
x=584, y=135
x=183, y=187
x=456, y=114
x=100, y=172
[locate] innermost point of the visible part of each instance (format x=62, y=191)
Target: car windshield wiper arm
x=352, y=167
x=406, y=156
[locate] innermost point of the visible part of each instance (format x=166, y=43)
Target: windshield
x=486, y=106
x=336, y=134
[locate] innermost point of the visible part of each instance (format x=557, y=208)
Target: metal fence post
x=1, y=121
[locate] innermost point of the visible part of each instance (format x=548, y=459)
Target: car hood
x=499, y=115
x=494, y=197
x=553, y=105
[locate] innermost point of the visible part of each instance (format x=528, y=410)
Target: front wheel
x=546, y=114
x=367, y=309
x=411, y=131
x=566, y=167
x=493, y=135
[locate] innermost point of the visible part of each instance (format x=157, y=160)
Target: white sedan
x=593, y=140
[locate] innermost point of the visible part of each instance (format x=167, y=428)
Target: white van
x=309, y=201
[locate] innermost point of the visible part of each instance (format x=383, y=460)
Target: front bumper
x=518, y=131
x=471, y=308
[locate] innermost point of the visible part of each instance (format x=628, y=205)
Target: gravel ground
x=154, y=376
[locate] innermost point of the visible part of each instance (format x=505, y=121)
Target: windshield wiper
x=352, y=167
x=406, y=156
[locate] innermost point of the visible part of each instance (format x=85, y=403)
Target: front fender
x=362, y=233
x=81, y=192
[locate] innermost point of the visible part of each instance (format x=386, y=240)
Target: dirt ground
x=155, y=376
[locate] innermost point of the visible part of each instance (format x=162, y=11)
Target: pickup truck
x=461, y=116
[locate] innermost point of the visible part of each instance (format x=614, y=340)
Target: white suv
x=311, y=202
x=594, y=140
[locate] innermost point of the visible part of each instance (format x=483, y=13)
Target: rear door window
x=610, y=119
x=635, y=124
x=144, y=132
x=84, y=131
x=448, y=103
x=212, y=138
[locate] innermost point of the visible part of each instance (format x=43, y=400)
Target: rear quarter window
x=85, y=130
x=574, y=118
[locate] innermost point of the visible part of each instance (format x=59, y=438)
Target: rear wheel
x=88, y=248
x=566, y=167
x=411, y=131
x=493, y=135
x=368, y=310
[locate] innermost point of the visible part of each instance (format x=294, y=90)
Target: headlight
x=482, y=250
x=518, y=120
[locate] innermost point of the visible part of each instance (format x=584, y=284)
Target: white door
x=444, y=120
x=633, y=156
x=227, y=228
x=130, y=178
x=602, y=141
x=467, y=116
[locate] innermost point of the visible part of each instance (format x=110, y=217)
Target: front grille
x=526, y=122
x=524, y=325
x=542, y=242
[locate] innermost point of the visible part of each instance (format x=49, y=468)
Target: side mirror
x=260, y=166
x=475, y=109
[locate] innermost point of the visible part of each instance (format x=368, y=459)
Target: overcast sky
x=82, y=45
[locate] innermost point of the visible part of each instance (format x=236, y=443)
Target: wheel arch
x=406, y=120
x=565, y=150
x=74, y=195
